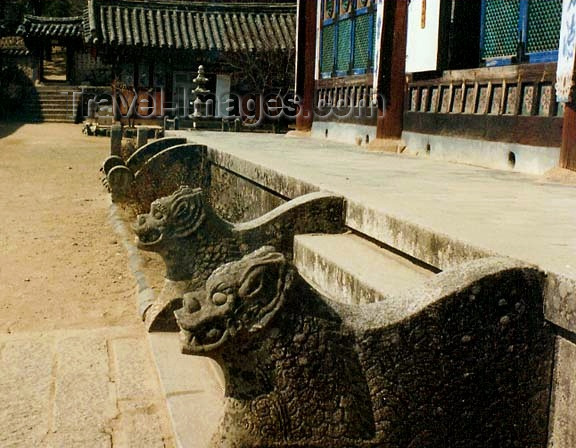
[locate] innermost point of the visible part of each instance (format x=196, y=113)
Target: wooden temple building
x=464, y=80
x=155, y=47
x=472, y=81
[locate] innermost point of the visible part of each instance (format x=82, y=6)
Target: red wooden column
x=392, y=82
x=568, y=148
x=305, y=63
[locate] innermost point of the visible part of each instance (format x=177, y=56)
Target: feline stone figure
x=193, y=240
x=463, y=362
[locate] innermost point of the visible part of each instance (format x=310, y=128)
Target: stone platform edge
x=560, y=297
x=435, y=248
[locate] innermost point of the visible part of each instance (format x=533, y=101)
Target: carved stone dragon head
x=171, y=217
x=240, y=299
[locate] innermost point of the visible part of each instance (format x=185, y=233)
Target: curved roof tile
x=223, y=27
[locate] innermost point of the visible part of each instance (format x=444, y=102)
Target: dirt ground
x=76, y=365
x=60, y=263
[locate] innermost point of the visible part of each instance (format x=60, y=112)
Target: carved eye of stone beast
x=174, y=216
x=240, y=299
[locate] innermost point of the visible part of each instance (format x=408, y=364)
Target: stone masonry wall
x=237, y=199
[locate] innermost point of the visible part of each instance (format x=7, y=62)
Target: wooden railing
x=513, y=103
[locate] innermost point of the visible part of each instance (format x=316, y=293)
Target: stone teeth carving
x=240, y=302
x=193, y=240
x=176, y=216
x=464, y=361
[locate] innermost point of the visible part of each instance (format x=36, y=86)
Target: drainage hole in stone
x=367, y=139
x=511, y=159
x=428, y=149
x=326, y=133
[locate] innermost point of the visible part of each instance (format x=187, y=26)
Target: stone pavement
x=85, y=388
x=76, y=368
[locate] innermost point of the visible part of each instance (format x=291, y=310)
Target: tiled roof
x=226, y=27
x=13, y=46
x=54, y=27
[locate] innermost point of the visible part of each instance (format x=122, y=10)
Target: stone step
x=50, y=89
x=41, y=106
x=63, y=110
x=57, y=120
x=351, y=269
x=56, y=93
x=57, y=113
x=55, y=100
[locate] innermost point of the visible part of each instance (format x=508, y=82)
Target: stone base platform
x=433, y=215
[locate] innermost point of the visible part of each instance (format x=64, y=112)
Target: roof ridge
x=197, y=5
x=48, y=19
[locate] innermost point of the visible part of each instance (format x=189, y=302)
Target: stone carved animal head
x=240, y=299
x=171, y=217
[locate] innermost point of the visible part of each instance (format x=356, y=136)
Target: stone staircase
x=352, y=269
x=51, y=103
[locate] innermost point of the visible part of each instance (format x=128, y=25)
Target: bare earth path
x=74, y=361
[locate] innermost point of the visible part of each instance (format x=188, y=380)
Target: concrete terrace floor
x=503, y=212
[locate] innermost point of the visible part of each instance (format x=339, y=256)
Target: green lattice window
x=544, y=19
x=347, y=37
x=327, y=61
x=362, y=42
x=344, y=43
x=501, y=28
x=520, y=30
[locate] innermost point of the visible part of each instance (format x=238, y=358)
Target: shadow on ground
x=8, y=127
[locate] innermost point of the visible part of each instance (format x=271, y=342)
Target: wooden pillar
x=392, y=82
x=568, y=148
x=305, y=65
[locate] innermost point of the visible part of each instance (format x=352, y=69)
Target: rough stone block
x=194, y=390
x=182, y=374
x=237, y=199
x=560, y=301
x=434, y=248
x=141, y=136
x=139, y=429
x=83, y=403
x=84, y=354
x=563, y=414
x=25, y=388
x=84, y=394
x=116, y=140
x=194, y=418
x=135, y=379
